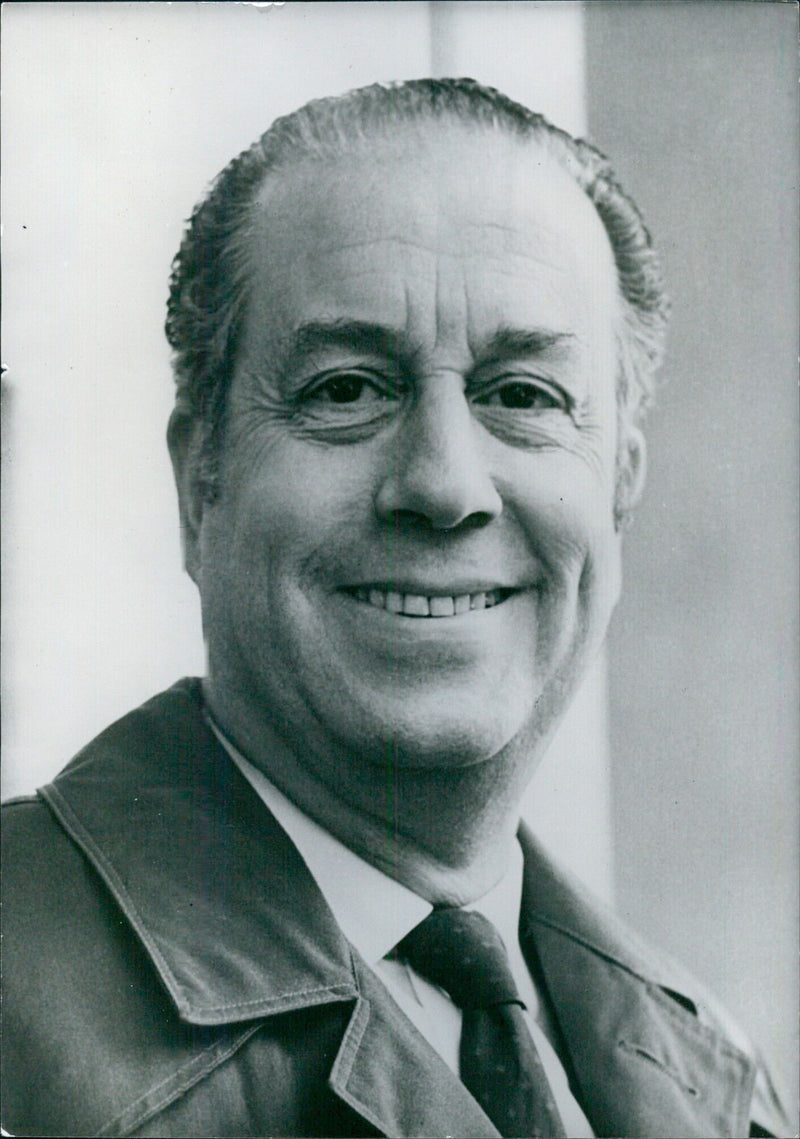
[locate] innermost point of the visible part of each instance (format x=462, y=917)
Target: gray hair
x=209, y=280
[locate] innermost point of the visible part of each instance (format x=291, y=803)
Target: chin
x=439, y=740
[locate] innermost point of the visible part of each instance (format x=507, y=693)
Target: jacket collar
x=206, y=877
x=648, y=1056
x=213, y=886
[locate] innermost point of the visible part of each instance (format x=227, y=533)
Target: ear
x=631, y=472
x=184, y=440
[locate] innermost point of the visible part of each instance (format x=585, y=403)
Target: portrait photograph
x=400, y=704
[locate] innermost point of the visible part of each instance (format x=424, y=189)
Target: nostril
x=412, y=519
x=407, y=520
x=477, y=520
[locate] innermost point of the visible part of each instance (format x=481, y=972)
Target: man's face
x=414, y=547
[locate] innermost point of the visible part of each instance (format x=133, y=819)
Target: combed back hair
x=210, y=273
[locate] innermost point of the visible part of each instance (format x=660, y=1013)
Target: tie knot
x=462, y=952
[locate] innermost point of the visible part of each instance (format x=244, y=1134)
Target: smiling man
x=415, y=330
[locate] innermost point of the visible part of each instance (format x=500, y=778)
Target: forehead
x=435, y=227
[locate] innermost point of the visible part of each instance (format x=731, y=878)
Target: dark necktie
x=462, y=952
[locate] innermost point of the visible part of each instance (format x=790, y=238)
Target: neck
x=445, y=834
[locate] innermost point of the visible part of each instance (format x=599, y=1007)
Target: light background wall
x=116, y=115
x=697, y=104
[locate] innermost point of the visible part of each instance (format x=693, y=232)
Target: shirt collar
x=373, y=911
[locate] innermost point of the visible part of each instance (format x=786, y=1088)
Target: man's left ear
x=631, y=472
x=184, y=441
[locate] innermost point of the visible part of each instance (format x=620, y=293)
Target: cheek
x=564, y=501
x=293, y=501
x=564, y=506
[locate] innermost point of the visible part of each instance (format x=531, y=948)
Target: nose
x=438, y=473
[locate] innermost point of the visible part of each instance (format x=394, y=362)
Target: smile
x=420, y=605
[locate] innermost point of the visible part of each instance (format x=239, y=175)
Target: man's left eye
x=523, y=395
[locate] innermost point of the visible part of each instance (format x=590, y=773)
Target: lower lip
x=461, y=641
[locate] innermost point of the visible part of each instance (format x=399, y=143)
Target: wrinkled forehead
x=450, y=236
x=456, y=188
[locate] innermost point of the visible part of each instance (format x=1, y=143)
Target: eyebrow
x=505, y=344
x=355, y=335
x=510, y=343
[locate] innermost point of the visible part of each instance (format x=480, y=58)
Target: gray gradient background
x=697, y=104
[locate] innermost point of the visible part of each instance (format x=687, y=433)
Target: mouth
x=428, y=605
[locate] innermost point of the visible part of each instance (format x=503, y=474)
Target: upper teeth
x=418, y=605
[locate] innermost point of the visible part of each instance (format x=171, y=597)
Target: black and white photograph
x=400, y=639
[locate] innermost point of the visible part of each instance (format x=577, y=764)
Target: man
x=415, y=331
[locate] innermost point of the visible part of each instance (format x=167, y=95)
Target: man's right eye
x=349, y=388
x=346, y=403
x=343, y=389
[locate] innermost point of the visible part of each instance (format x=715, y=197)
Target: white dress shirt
x=375, y=912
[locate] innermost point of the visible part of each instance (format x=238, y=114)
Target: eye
x=342, y=389
x=523, y=395
x=348, y=387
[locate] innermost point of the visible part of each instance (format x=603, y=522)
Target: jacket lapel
x=389, y=1074
x=643, y=1063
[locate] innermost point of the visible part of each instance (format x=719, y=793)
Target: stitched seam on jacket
x=73, y=825
x=650, y=982
x=175, y=1085
x=644, y=1053
x=567, y=932
x=351, y=1041
x=343, y=1066
x=76, y=828
x=682, y=1018
x=709, y=1032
